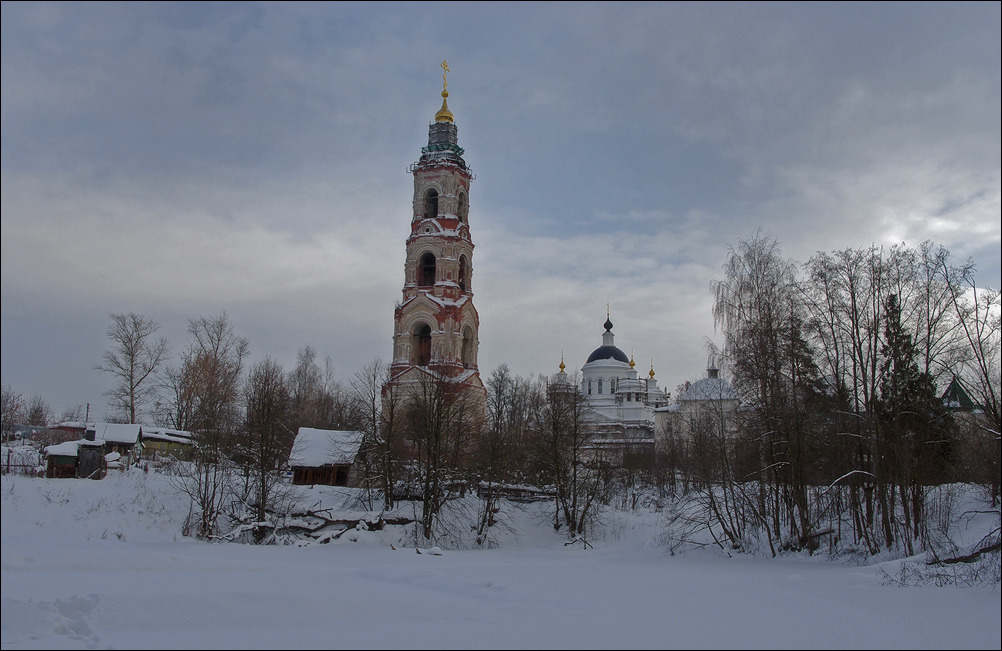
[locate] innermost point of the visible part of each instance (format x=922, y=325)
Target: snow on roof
x=321, y=447
x=166, y=434
x=711, y=388
x=116, y=432
x=67, y=449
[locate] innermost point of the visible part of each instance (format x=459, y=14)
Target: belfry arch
x=426, y=270
x=463, y=207
x=421, y=345
x=467, y=353
x=463, y=273
x=431, y=203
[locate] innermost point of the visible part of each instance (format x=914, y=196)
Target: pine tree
x=913, y=428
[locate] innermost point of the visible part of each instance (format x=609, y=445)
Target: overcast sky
x=180, y=160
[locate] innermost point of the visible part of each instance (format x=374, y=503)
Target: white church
x=619, y=404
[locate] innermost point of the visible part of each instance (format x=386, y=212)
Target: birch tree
x=133, y=359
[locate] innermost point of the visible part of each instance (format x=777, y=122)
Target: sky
x=184, y=160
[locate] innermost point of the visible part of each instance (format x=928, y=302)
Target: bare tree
x=13, y=410
x=133, y=359
x=378, y=404
x=215, y=359
x=39, y=412
x=979, y=315
x=502, y=452
x=569, y=460
x=71, y=414
x=438, y=423
x=267, y=439
x=205, y=398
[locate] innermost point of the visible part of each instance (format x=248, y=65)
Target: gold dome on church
x=444, y=114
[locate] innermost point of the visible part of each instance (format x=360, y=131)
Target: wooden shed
x=323, y=456
x=71, y=459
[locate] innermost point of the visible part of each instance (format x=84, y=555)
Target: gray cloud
x=188, y=159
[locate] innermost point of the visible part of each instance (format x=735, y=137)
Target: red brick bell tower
x=436, y=326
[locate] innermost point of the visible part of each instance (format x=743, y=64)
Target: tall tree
x=438, y=423
x=133, y=359
x=568, y=459
x=379, y=406
x=206, y=398
x=268, y=438
x=759, y=306
x=498, y=452
x=215, y=361
x=912, y=428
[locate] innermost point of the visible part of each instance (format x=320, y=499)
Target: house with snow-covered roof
x=327, y=457
x=160, y=441
x=123, y=438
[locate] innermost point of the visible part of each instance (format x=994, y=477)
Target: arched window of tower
x=422, y=345
x=600, y=386
x=464, y=208
x=462, y=273
x=426, y=270
x=589, y=386
x=467, y=347
x=431, y=204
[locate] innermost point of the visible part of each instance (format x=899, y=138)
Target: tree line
x=421, y=441
x=840, y=364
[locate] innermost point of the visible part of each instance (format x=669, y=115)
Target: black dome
x=608, y=352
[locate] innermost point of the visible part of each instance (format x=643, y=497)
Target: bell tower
x=436, y=325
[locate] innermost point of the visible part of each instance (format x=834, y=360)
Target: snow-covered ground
x=102, y=564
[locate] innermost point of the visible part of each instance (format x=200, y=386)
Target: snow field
x=102, y=564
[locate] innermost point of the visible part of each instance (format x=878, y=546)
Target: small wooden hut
x=323, y=456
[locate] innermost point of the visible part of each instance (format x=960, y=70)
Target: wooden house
x=124, y=438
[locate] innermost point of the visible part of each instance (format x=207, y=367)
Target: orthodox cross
x=445, y=70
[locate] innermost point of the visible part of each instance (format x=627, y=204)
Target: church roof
x=608, y=352
x=956, y=398
x=711, y=388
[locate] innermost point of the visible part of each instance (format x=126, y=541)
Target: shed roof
x=117, y=432
x=167, y=434
x=315, y=448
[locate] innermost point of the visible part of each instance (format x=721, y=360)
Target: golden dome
x=444, y=114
